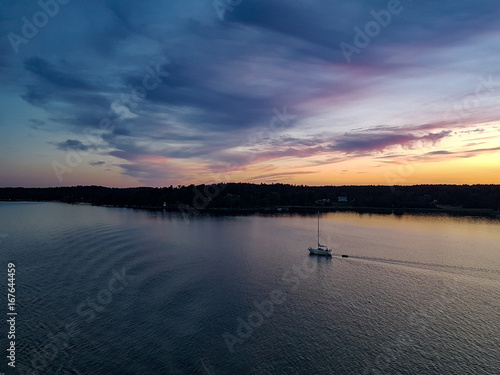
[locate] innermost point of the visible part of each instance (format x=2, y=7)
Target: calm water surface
x=116, y=291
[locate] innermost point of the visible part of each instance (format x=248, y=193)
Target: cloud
x=226, y=79
x=359, y=143
x=275, y=176
x=379, y=141
x=481, y=150
x=37, y=124
x=439, y=152
x=457, y=154
x=72, y=144
x=322, y=26
x=97, y=163
x=58, y=76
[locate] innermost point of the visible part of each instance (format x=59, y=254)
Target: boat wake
x=421, y=264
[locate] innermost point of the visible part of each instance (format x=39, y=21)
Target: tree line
x=246, y=195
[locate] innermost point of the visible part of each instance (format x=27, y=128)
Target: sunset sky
x=317, y=92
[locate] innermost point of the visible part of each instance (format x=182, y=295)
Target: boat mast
x=318, y=229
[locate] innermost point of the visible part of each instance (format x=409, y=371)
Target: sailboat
x=321, y=249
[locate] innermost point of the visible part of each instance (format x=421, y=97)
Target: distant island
x=240, y=198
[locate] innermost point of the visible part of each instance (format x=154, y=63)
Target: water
x=116, y=291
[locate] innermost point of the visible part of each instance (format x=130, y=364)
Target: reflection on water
x=417, y=294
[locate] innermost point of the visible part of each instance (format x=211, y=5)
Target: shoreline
x=451, y=211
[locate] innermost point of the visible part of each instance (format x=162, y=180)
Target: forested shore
x=482, y=200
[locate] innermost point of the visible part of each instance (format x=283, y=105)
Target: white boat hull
x=327, y=252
